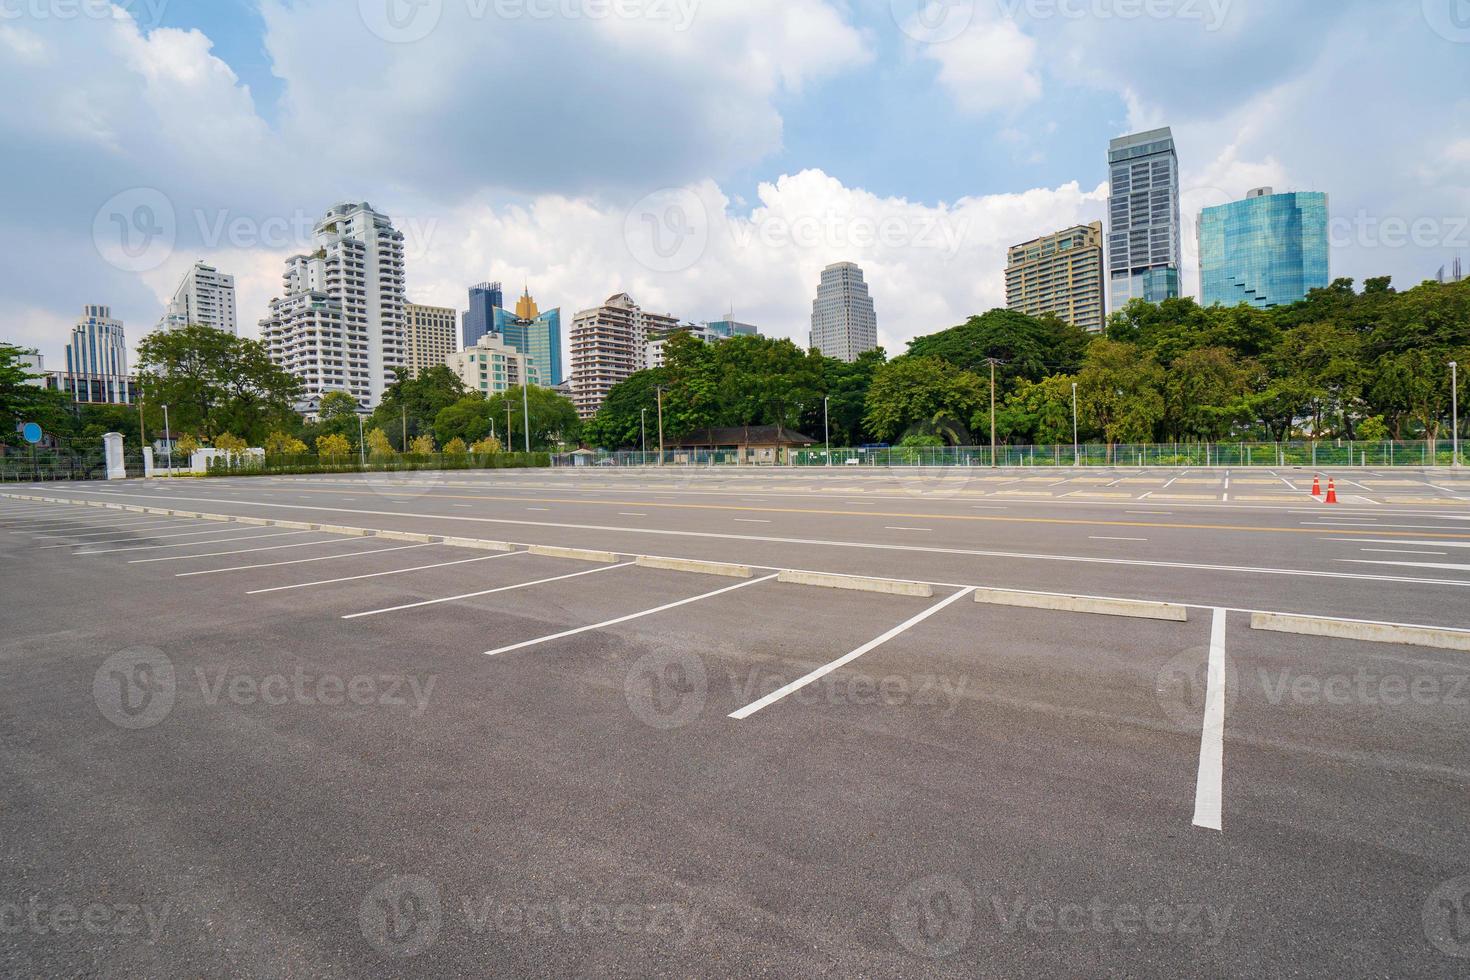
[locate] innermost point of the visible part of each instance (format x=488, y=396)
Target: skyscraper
x=339, y=324
x=97, y=359
x=1061, y=274
x=1267, y=250
x=205, y=296
x=428, y=334
x=534, y=333
x=844, y=323
x=1144, y=245
x=479, y=319
x=608, y=343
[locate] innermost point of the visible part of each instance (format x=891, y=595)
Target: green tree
x=1205, y=393
x=468, y=420
x=619, y=423
x=422, y=445
x=337, y=415
x=416, y=402
x=924, y=396
x=378, y=445
x=281, y=444
x=332, y=446
x=215, y=382
x=553, y=417
x=1119, y=390
x=455, y=447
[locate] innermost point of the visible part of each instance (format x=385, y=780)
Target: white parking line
x=1209, y=791
x=143, y=537
x=299, y=561
x=396, y=571
x=908, y=528
x=750, y=520
x=842, y=661
x=247, y=551
x=503, y=588
x=100, y=530
x=624, y=513
x=187, y=544
x=623, y=619
x=1400, y=551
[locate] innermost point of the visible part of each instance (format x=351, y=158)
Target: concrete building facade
x=1060, y=274
x=608, y=344
x=429, y=336
x=205, y=296
x=339, y=323
x=96, y=360
x=1144, y=238
x=492, y=366
x=844, y=322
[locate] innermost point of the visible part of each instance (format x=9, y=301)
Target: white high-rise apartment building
x=844, y=323
x=608, y=344
x=430, y=334
x=206, y=297
x=339, y=325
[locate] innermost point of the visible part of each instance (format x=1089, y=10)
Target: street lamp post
x=643, y=430
x=660, y=390
x=993, y=363
x=526, y=411
x=361, y=444
x=1455, y=409
x=168, y=438
x=827, y=428
x=1076, y=446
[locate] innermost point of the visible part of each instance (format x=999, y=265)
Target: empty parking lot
x=645, y=722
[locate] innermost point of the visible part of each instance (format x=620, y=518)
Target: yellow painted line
x=977, y=518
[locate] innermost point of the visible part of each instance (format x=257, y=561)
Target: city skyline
x=773, y=164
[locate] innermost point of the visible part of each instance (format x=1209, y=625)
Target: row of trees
x=1341, y=364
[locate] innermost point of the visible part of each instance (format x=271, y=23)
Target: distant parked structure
x=1060, y=274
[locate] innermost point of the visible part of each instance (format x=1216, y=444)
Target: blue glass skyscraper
x=1143, y=219
x=479, y=319
x=1267, y=250
x=535, y=333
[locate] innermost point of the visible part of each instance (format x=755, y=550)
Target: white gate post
x=112, y=444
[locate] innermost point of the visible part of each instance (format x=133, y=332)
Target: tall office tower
x=338, y=326
x=844, y=323
x=534, y=333
x=608, y=343
x=428, y=335
x=479, y=319
x=1267, y=250
x=1144, y=244
x=1061, y=274
x=490, y=365
x=205, y=297
x=97, y=359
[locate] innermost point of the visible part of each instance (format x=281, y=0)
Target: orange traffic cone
x=1316, y=486
x=1331, y=491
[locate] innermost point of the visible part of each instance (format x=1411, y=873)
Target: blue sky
x=543, y=141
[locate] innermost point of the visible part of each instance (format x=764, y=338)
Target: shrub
x=422, y=445
x=227, y=443
x=487, y=446
x=280, y=444
x=455, y=447
x=333, y=446
x=378, y=445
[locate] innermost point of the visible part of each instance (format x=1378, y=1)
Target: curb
x=1127, y=608
x=576, y=554
x=695, y=566
x=886, y=586
x=478, y=543
x=1418, y=636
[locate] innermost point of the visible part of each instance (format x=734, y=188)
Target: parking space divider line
x=183, y=544
x=395, y=571
x=503, y=588
x=842, y=661
x=297, y=561
x=1209, y=789
x=628, y=618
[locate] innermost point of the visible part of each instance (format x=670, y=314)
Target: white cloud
x=989, y=67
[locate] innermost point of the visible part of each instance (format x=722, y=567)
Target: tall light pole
x=643, y=429
x=1076, y=446
x=509, y=432
x=1455, y=410
x=993, y=363
x=660, y=390
x=827, y=428
x=168, y=438
x=361, y=444
x=526, y=411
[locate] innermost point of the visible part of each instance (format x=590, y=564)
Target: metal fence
x=1192, y=455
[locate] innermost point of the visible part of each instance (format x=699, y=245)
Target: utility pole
x=509, y=431
x=643, y=428
x=660, y=391
x=142, y=433
x=405, y=428
x=168, y=438
x=361, y=443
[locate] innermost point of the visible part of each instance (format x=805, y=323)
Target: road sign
x=31, y=432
